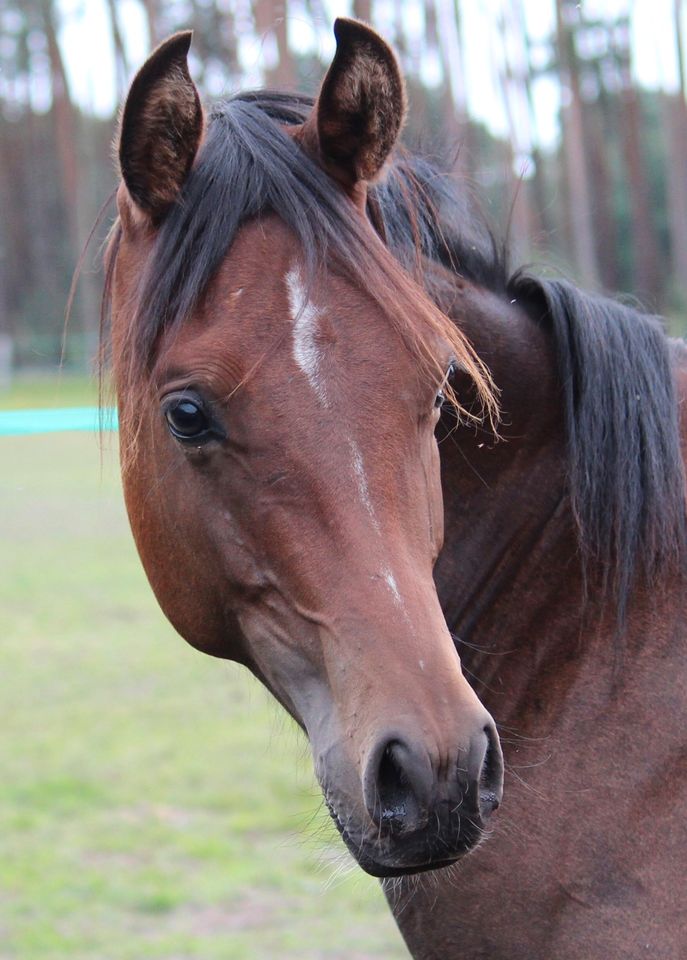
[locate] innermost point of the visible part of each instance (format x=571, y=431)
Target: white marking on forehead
x=305, y=316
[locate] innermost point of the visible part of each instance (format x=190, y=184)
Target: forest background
x=568, y=122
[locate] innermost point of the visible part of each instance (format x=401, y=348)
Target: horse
x=420, y=497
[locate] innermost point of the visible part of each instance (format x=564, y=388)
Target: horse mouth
x=388, y=855
x=386, y=872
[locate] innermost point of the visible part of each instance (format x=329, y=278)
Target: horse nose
x=400, y=788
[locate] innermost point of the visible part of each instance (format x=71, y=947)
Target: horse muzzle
x=418, y=812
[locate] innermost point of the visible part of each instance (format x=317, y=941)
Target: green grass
x=154, y=803
x=34, y=390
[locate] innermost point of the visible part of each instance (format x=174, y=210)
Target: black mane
x=626, y=476
x=615, y=366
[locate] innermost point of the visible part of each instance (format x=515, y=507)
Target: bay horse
x=311, y=330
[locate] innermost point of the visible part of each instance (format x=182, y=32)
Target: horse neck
x=510, y=579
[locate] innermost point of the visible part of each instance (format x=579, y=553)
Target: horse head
x=279, y=380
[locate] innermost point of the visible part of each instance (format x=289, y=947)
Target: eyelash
x=441, y=396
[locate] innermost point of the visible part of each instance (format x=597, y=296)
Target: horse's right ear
x=360, y=109
x=161, y=128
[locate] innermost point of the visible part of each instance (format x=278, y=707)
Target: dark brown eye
x=187, y=419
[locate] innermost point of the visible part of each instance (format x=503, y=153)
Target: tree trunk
x=452, y=111
x=541, y=220
x=675, y=129
x=644, y=240
x=152, y=18
x=121, y=64
x=675, y=126
x=597, y=134
x=465, y=161
x=362, y=9
x=63, y=113
x=646, y=265
x=271, y=22
x=521, y=224
x=67, y=140
x=579, y=211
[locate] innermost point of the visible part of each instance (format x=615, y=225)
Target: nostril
x=490, y=788
x=396, y=785
x=392, y=787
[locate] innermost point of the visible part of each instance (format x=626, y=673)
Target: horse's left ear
x=361, y=106
x=161, y=127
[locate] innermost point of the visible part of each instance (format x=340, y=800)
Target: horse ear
x=361, y=106
x=161, y=127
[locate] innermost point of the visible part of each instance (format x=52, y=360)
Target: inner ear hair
x=161, y=127
x=361, y=107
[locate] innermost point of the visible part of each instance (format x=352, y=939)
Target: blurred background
x=569, y=121
x=154, y=802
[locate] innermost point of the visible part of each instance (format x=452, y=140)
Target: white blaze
x=361, y=481
x=305, y=316
x=306, y=353
x=364, y=494
x=390, y=581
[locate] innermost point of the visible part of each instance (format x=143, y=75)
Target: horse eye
x=439, y=400
x=187, y=419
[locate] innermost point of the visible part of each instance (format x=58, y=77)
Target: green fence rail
x=15, y=423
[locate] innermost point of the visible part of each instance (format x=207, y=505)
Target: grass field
x=50, y=390
x=154, y=803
